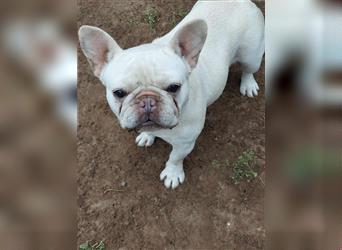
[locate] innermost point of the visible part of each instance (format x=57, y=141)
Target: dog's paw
x=172, y=175
x=144, y=140
x=249, y=87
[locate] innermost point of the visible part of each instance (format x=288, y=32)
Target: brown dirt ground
x=208, y=211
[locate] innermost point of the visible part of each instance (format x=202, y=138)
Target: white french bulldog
x=164, y=88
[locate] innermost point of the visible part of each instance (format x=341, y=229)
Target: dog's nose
x=147, y=101
x=148, y=104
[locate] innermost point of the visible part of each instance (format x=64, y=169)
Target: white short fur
x=234, y=32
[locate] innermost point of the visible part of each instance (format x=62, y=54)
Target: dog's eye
x=173, y=88
x=120, y=93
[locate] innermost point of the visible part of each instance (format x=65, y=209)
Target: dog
x=163, y=88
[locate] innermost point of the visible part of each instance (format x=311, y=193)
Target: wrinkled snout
x=149, y=110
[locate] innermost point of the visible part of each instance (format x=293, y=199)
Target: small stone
x=123, y=184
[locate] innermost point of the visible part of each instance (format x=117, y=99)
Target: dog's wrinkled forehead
x=147, y=64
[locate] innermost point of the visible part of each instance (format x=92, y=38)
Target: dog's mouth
x=149, y=122
x=150, y=125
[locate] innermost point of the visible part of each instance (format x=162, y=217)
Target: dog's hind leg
x=250, y=61
x=248, y=85
x=250, y=55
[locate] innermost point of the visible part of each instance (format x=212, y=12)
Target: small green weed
x=242, y=168
x=97, y=246
x=151, y=17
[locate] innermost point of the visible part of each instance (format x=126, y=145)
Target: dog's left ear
x=189, y=40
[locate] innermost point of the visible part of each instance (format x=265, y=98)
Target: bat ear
x=189, y=40
x=98, y=46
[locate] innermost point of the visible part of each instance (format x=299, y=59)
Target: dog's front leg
x=145, y=139
x=173, y=173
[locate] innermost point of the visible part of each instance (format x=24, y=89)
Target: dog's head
x=147, y=86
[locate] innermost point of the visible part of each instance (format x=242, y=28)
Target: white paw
x=144, y=140
x=172, y=175
x=249, y=87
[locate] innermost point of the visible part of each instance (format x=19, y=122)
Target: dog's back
x=235, y=30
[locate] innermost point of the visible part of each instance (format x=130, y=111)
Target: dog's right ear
x=98, y=46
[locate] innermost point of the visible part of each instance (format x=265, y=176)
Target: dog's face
x=146, y=86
